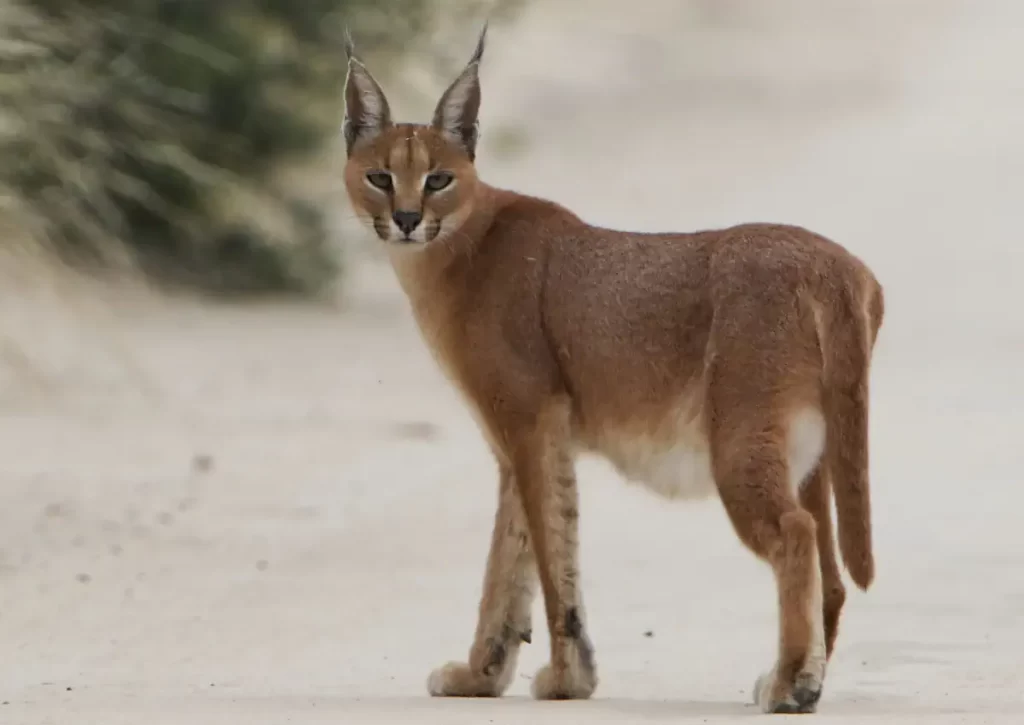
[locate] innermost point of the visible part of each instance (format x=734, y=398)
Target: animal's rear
x=847, y=340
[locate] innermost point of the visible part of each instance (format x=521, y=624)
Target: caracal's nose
x=407, y=221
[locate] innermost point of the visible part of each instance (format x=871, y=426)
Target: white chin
x=399, y=238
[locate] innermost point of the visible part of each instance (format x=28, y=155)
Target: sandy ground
x=276, y=514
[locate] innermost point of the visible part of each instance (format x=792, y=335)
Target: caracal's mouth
x=424, y=235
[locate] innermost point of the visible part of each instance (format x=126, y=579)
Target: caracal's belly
x=673, y=459
x=670, y=456
x=678, y=471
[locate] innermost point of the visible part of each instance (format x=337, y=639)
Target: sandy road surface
x=273, y=515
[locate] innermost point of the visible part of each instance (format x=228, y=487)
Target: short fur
x=732, y=361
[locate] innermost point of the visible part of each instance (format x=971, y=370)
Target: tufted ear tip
x=457, y=112
x=367, y=112
x=481, y=43
x=350, y=47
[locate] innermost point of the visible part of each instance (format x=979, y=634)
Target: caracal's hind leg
x=816, y=497
x=748, y=435
x=504, y=618
x=751, y=471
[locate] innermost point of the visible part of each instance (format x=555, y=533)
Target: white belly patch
x=675, y=466
x=679, y=466
x=682, y=471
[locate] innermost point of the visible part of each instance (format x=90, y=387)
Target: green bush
x=167, y=134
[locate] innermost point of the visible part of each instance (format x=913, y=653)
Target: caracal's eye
x=438, y=180
x=380, y=179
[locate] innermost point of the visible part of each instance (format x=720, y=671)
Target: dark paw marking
x=496, y=659
x=806, y=694
x=498, y=649
x=791, y=708
x=574, y=631
x=573, y=624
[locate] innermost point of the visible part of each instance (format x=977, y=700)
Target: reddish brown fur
x=651, y=349
x=815, y=496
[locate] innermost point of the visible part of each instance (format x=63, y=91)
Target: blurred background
x=234, y=482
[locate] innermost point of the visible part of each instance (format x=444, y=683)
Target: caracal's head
x=413, y=184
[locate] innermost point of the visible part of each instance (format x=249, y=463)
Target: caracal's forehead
x=415, y=149
x=410, y=151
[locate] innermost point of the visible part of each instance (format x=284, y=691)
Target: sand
x=270, y=514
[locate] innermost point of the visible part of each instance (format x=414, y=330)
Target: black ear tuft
x=367, y=112
x=478, y=54
x=350, y=47
x=456, y=114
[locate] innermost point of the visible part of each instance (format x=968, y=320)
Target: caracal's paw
x=776, y=697
x=456, y=679
x=568, y=684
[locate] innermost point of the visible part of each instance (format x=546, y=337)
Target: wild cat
x=732, y=362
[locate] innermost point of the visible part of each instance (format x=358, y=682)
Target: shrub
x=163, y=135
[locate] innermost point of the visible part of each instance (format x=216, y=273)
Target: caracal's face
x=413, y=184
x=410, y=185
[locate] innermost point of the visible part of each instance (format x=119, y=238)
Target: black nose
x=407, y=220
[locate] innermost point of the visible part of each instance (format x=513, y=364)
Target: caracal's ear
x=456, y=112
x=367, y=113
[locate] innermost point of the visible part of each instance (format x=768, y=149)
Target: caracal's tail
x=847, y=346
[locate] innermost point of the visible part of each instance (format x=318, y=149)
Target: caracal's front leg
x=545, y=473
x=504, y=618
